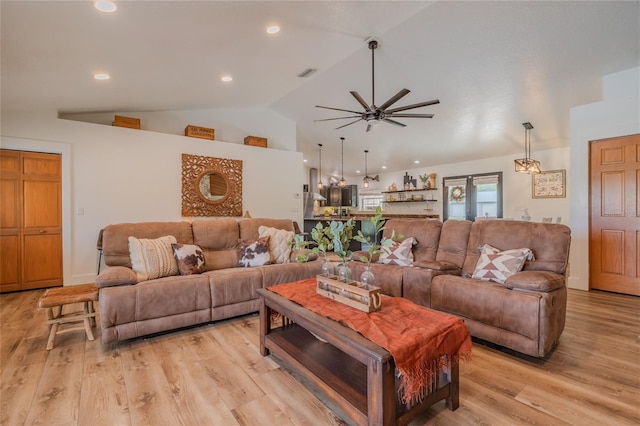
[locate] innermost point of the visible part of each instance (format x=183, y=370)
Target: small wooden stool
x=54, y=298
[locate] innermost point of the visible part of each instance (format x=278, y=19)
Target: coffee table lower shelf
x=352, y=372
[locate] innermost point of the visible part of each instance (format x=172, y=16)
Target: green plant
x=374, y=246
x=299, y=243
x=424, y=178
x=320, y=235
x=341, y=234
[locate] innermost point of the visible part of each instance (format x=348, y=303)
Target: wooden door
x=614, y=254
x=30, y=220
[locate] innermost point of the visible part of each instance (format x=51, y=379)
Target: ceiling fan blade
x=349, y=124
x=421, y=104
x=360, y=100
x=339, y=109
x=397, y=123
x=338, y=118
x=394, y=99
x=410, y=115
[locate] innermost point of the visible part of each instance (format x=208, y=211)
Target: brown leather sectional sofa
x=130, y=309
x=526, y=313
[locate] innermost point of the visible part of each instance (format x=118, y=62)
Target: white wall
x=124, y=175
x=618, y=114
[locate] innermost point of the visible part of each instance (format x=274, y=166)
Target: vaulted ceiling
x=493, y=65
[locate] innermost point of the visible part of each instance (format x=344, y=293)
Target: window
x=474, y=196
x=370, y=201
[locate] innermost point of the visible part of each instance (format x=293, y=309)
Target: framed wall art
x=549, y=184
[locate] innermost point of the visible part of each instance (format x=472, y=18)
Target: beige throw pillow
x=279, y=243
x=495, y=265
x=151, y=259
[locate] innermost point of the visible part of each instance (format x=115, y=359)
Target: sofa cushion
x=426, y=233
x=279, y=243
x=436, y=265
x=400, y=253
x=495, y=265
x=152, y=258
x=189, y=258
x=254, y=252
x=218, y=239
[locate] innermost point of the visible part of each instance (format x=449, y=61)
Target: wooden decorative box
x=255, y=141
x=128, y=122
x=361, y=296
x=199, y=132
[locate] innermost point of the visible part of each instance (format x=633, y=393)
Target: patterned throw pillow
x=279, y=243
x=495, y=265
x=151, y=259
x=190, y=258
x=254, y=252
x=400, y=253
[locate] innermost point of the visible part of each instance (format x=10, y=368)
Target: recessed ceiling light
x=417, y=161
x=226, y=78
x=304, y=161
x=105, y=6
x=273, y=29
x=384, y=167
x=358, y=171
x=101, y=76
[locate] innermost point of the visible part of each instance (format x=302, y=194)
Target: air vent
x=306, y=73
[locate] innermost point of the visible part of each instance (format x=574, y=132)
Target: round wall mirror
x=213, y=186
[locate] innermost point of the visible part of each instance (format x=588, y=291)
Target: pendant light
x=342, y=182
x=527, y=164
x=320, y=167
x=367, y=178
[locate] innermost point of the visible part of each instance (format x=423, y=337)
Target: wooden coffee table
x=350, y=370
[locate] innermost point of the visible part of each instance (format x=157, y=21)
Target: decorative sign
x=549, y=184
x=211, y=186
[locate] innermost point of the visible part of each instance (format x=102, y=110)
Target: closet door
x=32, y=227
x=10, y=210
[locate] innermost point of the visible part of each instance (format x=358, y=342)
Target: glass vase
x=327, y=268
x=367, y=277
x=344, y=273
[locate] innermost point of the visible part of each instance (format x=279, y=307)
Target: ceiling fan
x=374, y=114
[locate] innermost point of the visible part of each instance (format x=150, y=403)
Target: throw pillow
x=495, y=265
x=254, y=252
x=279, y=243
x=190, y=258
x=152, y=258
x=400, y=253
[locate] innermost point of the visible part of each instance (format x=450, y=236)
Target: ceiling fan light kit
x=527, y=164
x=375, y=114
x=342, y=182
x=320, y=168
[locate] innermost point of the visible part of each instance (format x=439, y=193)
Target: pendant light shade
x=367, y=178
x=527, y=164
x=342, y=182
x=320, y=167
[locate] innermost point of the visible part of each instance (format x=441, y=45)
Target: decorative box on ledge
x=361, y=296
x=128, y=122
x=199, y=132
x=255, y=141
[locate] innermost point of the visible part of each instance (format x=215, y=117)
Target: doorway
x=614, y=235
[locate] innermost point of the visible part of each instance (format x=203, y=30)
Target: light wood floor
x=214, y=375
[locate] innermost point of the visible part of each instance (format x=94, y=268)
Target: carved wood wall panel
x=194, y=169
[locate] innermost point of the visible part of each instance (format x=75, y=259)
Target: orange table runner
x=421, y=341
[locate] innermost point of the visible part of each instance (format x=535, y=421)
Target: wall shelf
x=408, y=201
x=409, y=190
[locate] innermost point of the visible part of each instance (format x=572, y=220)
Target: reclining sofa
x=525, y=313
x=130, y=308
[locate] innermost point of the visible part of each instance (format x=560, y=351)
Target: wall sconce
x=527, y=164
x=367, y=178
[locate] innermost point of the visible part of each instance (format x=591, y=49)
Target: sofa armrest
x=116, y=275
x=544, y=281
x=436, y=266
x=358, y=255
